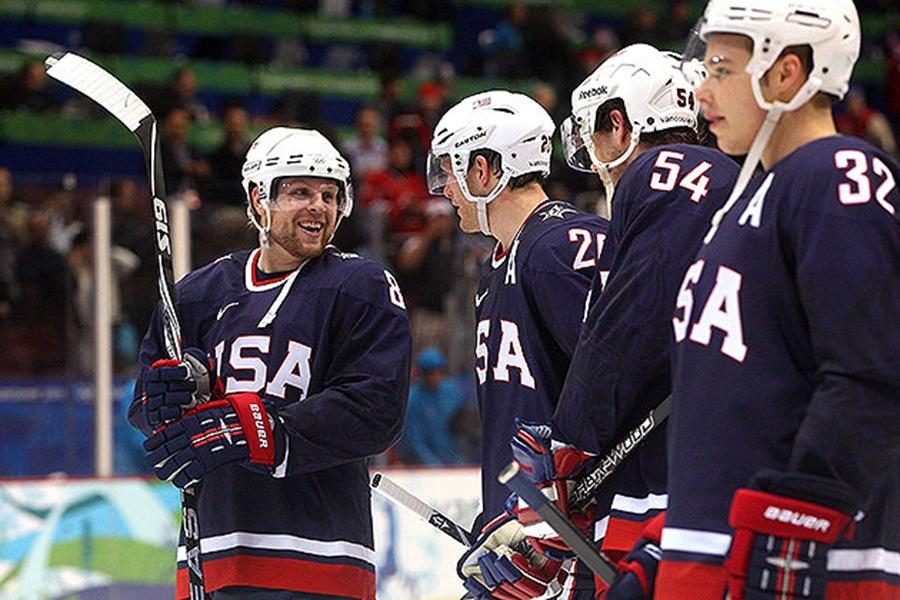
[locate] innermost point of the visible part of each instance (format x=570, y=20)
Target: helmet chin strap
x=604, y=169
x=481, y=202
x=774, y=112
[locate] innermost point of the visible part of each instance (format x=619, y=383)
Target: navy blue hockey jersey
x=661, y=210
x=788, y=357
x=528, y=310
x=329, y=345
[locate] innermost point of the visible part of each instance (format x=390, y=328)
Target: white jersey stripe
x=869, y=559
x=698, y=542
x=243, y=539
x=639, y=506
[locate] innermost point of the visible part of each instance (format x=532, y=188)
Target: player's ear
x=482, y=168
x=785, y=77
x=256, y=203
x=620, y=129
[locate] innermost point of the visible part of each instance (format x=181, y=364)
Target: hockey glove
x=501, y=564
x=237, y=429
x=784, y=524
x=172, y=387
x=540, y=535
x=638, y=569
x=542, y=457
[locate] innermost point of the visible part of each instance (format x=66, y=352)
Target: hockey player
x=489, y=156
x=634, y=122
x=786, y=380
x=299, y=358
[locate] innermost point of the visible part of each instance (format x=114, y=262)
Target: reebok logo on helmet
x=593, y=92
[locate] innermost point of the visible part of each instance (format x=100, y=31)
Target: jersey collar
x=499, y=254
x=252, y=281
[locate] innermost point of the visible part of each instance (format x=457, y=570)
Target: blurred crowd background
x=374, y=76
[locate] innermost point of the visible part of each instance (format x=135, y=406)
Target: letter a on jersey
x=511, y=356
x=723, y=311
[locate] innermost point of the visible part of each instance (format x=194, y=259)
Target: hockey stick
x=103, y=88
x=421, y=509
x=589, y=483
x=516, y=480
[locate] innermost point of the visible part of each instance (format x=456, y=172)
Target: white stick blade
x=100, y=86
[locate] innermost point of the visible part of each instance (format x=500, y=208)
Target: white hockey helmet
x=511, y=124
x=829, y=27
x=655, y=92
x=292, y=152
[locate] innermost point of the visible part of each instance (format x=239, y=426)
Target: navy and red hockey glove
x=637, y=570
x=236, y=429
x=502, y=565
x=173, y=387
x=784, y=524
x=541, y=457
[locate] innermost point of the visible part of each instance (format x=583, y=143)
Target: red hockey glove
x=638, y=569
x=784, y=524
x=237, y=429
x=172, y=387
x=501, y=564
x=542, y=457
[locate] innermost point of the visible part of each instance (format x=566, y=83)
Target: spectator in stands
x=434, y=400
x=548, y=46
x=223, y=187
x=603, y=43
x=892, y=76
x=10, y=240
x=123, y=262
x=181, y=92
x=416, y=122
x=43, y=279
x=133, y=229
x=388, y=102
x=502, y=47
x=182, y=165
x=398, y=194
x=367, y=150
x=27, y=90
x=425, y=265
x=643, y=27
x=861, y=120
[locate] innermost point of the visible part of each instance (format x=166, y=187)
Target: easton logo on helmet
x=470, y=139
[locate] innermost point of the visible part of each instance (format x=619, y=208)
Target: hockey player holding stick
x=786, y=388
x=489, y=156
x=634, y=122
x=296, y=371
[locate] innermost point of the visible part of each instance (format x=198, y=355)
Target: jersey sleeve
x=360, y=410
x=562, y=268
x=846, y=247
x=620, y=368
x=193, y=318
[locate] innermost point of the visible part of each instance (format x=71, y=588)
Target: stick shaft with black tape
x=421, y=509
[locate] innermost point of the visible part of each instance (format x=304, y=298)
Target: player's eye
x=719, y=73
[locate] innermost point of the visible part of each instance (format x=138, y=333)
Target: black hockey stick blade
x=587, y=485
x=397, y=494
x=513, y=478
